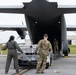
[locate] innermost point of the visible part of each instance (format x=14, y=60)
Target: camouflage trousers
x=55, y=49
x=55, y=52
x=41, y=63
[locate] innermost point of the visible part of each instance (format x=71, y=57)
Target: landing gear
x=66, y=52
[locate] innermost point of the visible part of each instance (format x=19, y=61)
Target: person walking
x=12, y=53
x=55, y=48
x=43, y=47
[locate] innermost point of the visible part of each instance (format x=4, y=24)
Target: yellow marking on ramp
x=66, y=56
x=24, y=70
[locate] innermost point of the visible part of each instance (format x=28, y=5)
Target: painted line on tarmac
x=66, y=56
x=21, y=72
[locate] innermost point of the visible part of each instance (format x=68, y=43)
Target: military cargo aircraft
x=44, y=17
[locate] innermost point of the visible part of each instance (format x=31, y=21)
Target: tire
x=47, y=65
x=50, y=61
x=19, y=63
x=65, y=53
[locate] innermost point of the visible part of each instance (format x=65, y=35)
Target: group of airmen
x=42, y=48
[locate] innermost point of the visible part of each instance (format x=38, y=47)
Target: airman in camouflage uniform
x=12, y=53
x=55, y=48
x=43, y=47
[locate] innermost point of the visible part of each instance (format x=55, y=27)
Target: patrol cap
x=45, y=35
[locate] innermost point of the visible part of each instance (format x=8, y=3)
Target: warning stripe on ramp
x=21, y=72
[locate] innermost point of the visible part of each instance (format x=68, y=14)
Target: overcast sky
x=17, y=19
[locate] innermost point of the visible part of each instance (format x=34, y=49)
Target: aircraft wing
x=67, y=9
x=14, y=9
x=71, y=28
x=12, y=27
x=20, y=29
x=22, y=10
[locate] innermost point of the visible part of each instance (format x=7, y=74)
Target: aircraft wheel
x=65, y=53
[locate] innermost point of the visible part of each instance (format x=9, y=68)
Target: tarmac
x=60, y=66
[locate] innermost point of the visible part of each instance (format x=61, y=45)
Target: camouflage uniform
x=43, y=47
x=55, y=46
x=12, y=53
